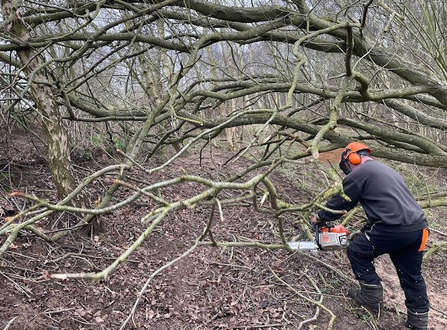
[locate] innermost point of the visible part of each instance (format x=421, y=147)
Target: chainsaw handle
x=317, y=227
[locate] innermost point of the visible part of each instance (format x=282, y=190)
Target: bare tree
x=35, y=66
x=317, y=74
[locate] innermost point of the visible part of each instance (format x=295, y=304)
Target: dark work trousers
x=404, y=250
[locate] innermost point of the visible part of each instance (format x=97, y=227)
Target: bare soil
x=212, y=288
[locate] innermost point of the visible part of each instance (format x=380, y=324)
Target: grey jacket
x=384, y=196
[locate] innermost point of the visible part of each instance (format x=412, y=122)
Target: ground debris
x=212, y=288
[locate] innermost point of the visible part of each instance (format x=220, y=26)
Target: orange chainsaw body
x=332, y=238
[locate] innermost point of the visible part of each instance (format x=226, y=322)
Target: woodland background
x=157, y=156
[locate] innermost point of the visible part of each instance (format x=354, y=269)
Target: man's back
x=383, y=195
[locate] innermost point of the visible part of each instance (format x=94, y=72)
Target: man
x=396, y=226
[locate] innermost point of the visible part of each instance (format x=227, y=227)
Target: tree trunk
x=57, y=138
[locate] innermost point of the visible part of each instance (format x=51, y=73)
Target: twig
x=83, y=256
x=349, y=48
x=142, y=191
x=260, y=326
x=333, y=115
x=19, y=287
x=17, y=228
x=438, y=232
x=8, y=325
x=219, y=207
x=281, y=233
x=10, y=220
x=317, y=311
x=435, y=248
x=350, y=215
x=365, y=11
x=316, y=303
x=56, y=311
x=122, y=153
x=325, y=264
x=159, y=270
x=208, y=226
x=384, y=6
x=104, y=273
x=329, y=210
x=388, y=24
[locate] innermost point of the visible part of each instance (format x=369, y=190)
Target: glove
x=314, y=220
x=354, y=235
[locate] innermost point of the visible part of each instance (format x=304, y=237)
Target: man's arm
x=339, y=203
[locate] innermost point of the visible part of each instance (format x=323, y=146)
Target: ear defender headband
x=344, y=162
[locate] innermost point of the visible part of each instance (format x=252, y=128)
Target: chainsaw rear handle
x=318, y=225
x=321, y=224
x=317, y=230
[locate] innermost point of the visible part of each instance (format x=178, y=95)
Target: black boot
x=417, y=321
x=369, y=296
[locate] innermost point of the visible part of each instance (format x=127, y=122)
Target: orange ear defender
x=354, y=158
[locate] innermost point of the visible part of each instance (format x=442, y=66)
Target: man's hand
x=314, y=220
x=354, y=235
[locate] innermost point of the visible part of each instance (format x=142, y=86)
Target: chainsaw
x=327, y=238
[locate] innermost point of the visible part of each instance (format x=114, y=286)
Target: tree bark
x=57, y=138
